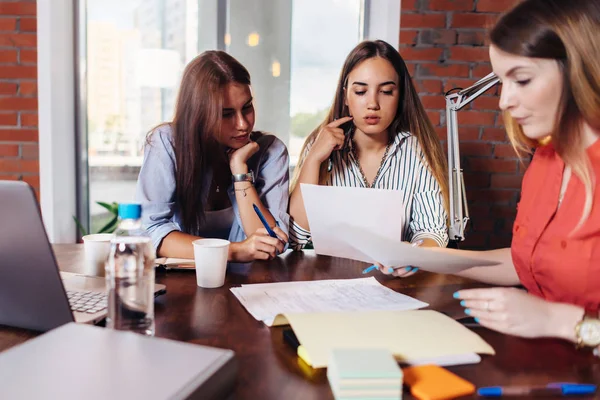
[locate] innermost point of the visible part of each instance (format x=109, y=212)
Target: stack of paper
x=264, y=301
x=364, y=374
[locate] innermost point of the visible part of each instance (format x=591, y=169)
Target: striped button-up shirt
x=405, y=168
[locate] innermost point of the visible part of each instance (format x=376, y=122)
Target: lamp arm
x=459, y=212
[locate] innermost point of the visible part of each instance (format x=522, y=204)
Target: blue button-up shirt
x=156, y=185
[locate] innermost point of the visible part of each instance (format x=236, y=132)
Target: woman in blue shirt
x=204, y=170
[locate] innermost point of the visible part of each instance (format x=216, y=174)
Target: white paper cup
x=210, y=256
x=97, y=249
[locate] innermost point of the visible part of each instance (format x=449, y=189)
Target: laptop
x=34, y=294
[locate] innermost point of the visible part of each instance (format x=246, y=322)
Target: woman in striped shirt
x=384, y=139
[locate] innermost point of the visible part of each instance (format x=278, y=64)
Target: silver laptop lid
x=32, y=295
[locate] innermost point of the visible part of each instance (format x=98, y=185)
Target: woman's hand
x=330, y=138
x=400, y=272
x=258, y=246
x=239, y=157
x=509, y=310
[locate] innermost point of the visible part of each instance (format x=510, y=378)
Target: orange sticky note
x=430, y=382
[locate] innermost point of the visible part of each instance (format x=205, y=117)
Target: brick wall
x=443, y=43
x=18, y=92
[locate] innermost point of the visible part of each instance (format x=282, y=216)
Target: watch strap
x=249, y=177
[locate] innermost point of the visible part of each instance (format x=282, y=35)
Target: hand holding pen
x=270, y=231
x=401, y=272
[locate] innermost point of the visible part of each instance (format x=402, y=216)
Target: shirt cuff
x=441, y=240
x=158, y=233
x=299, y=237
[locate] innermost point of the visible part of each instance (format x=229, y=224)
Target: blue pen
x=264, y=222
x=371, y=268
x=552, y=389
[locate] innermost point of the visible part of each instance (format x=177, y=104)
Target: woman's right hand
x=258, y=246
x=329, y=138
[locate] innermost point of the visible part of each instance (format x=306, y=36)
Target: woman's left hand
x=508, y=310
x=402, y=272
x=239, y=157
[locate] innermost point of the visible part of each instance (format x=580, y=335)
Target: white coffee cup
x=97, y=249
x=210, y=256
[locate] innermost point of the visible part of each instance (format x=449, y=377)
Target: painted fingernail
x=390, y=270
x=468, y=311
x=462, y=303
x=477, y=320
x=415, y=269
x=408, y=268
x=456, y=295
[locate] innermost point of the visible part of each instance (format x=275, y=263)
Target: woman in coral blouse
x=546, y=54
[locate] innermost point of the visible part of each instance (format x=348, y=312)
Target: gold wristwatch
x=587, y=330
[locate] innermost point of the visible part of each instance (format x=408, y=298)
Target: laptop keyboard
x=87, y=302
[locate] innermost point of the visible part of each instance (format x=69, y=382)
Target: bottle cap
x=130, y=211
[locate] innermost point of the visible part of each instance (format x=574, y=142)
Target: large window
x=135, y=52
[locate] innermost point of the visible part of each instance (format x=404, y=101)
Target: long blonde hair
x=565, y=31
x=410, y=116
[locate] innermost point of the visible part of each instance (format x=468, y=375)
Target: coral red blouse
x=551, y=262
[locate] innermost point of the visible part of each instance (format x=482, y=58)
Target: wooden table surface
x=269, y=369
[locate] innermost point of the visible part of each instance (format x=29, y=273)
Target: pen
x=371, y=268
x=552, y=389
x=264, y=222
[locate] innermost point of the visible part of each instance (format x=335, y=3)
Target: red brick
x=486, y=103
x=28, y=25
x=29, y=119
x=481, y=70
x=18, y=103
x=450, y=70
x=478, y=181
x=504, y=151
x=495, y=5
x=472, y=20
x=492, y=165
x=9, y=150
x=28, y=56
x=437, y=36
x=17, y=165
x=508, y=212
x=434, y=116
x=33, y=180
x=29, y=151
x=8, y=56
x=8, y=88
x=476, y=118
x=411, y=68
x=492, y=196
x=433, y=102
x=468, y=133
x=457, y=83
x=423, y=20
x=8, y=24
x=471, y=54
x=507, y=181
x=483, y=225
x=474, y=38
x=429, y=86
x=409, y=36
x=421, y=54
x=27, y=88
x=500, y=241
x=442, y=133
x=18, y=135
x=523, y=165
x=409, y=5
x=18, y=39
x=475, y=149
x=7, y=119
x=494, y=135
x=451, y=5
x=18, y=71
x=474, y=241
x=17, y=8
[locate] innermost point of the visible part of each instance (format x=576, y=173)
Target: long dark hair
x=565, y=31
x=410, y=116
x=198, y=115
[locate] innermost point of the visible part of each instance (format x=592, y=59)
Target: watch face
x=590, y=332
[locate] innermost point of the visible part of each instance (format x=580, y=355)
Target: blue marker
x=371, y=268
x=264, y=222
x=552, y=389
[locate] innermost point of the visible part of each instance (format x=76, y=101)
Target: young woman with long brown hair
x=391, y=144
x=203, y=171
x=546, y=54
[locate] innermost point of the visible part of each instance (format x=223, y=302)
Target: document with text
x=265, y=301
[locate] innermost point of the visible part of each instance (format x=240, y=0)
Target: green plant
x=108, y=227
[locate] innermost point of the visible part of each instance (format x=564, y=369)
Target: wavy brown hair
x=566, y=31
x=197, y=119
x=410, y=115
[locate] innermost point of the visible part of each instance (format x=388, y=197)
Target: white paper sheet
x=396, y=253
x=266, y=300
x=372, y=210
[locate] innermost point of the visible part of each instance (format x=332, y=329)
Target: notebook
x=78, y=361
x=413, y=337
x=175, y=263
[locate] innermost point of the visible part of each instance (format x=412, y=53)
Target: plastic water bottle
x=130, y=275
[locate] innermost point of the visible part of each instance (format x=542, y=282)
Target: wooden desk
x=269, y=369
